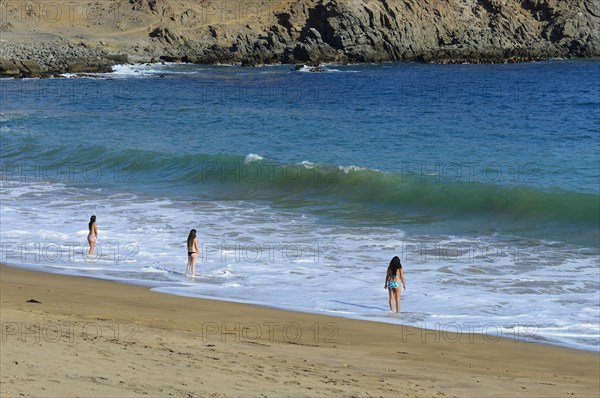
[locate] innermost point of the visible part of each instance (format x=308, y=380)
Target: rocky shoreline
x=298, y=31
x=55, y=58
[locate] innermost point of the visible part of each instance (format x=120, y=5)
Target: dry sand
x=88, y=337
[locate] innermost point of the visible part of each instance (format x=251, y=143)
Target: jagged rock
x=192, y=59
x=188, y=17
x=9, y=68
x=157, y=7
x=90, y=66
x=214, y=55
x=6, y=27
x=117, y=58
x=171, y=58
x=167, y=36
x=30, y=69
x=318, y=31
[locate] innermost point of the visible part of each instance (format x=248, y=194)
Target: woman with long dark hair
x=393, y=278
x=193, y=251
x=93, y=234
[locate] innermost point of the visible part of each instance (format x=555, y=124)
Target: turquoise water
x=483, y=178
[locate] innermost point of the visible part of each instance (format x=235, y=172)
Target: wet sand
x=88, y=337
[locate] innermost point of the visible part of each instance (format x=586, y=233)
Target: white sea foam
x=139, y=69
x=332, y=269
x=160, y=69
x=352, y=168
x=252, y=158
x=151, y=70
x=307, y=164
x=324, y=69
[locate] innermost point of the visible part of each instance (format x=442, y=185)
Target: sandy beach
x=89, y=337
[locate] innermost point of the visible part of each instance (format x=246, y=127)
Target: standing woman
x=93, y=234
x=192, y=248
x=395, y=276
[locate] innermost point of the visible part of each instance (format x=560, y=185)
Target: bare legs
x=394, y=296
x=191, y=264
x=92, y=242
x=194, y=259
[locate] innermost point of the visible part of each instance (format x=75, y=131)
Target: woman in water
x=93, y=234
x=394, y=276
x=192, y=247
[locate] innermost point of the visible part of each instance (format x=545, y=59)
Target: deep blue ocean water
x=484, y=179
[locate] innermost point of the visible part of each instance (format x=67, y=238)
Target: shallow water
x=482, y=178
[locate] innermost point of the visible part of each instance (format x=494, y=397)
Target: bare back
x=193, y=245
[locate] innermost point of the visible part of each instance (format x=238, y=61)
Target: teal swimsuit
x=393, y=285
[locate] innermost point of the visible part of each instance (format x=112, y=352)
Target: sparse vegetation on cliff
x=72, y=36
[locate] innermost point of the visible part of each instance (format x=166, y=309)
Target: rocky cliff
x=70, y=36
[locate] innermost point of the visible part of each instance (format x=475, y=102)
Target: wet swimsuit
x=190, y=253
x=394, y=284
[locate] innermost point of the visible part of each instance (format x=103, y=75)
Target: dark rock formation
x=316, y=31
x=55, y=57
x=427, y=30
